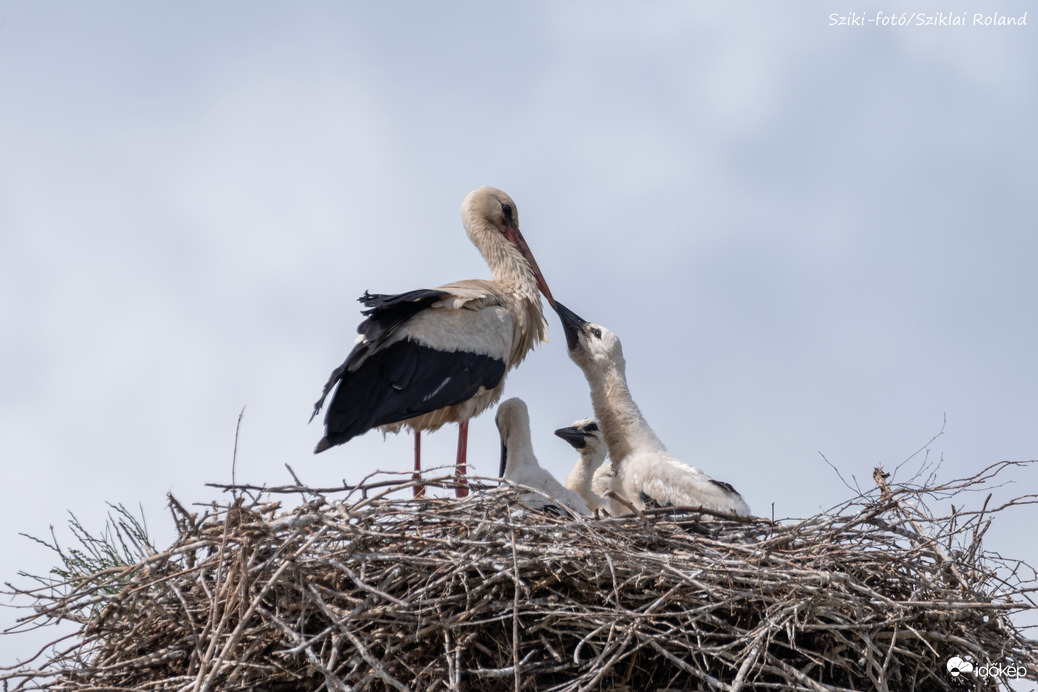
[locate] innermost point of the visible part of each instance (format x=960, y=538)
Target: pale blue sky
x=809, y=238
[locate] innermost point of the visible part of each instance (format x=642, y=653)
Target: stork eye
x=596, y=332
x=506, y=209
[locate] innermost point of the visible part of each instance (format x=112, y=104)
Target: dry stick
x=801, y=678
x=373, y=662
x=977, y=532
x=744, y=669
x=612, y=495
x=299, y=489
x=215, y=609
x=686, y=667
x=517, y=679
x=619, y=651
x=192, y=625
x=234, y=455
x=244, y=619
x=451, y=653
x=890, y=653
x=881, y=480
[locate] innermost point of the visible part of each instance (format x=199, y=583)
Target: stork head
x=586, y=437
x=493, y=206
x=491, y=216
x=591, y=346
x=581, y=433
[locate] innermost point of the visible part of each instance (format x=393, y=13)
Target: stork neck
x=520, y=452
x=580, y=477
x=623, y=426
x=510, y=270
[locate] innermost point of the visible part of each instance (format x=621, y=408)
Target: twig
x=234, y=455
x=402, y=593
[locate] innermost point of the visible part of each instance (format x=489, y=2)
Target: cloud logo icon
x=956, y=666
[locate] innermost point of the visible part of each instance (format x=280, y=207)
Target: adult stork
x=591, y=478
x=519, y=464
x=643, y=469
x=434, y=356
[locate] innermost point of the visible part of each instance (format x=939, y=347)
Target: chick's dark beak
x=504, y=460
x=572, y=324
x=576, y=437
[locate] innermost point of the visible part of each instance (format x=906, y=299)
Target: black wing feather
x=385, y=314
x=651, y=502
x=401, y=381
x=725, y=486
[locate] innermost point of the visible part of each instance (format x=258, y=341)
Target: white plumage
x=519, y=464
x=643, y=469
x=602, y=481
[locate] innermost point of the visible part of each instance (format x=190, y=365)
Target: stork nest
x=360, y=589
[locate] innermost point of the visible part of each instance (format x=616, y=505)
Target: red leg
x=462, y=488
x=419, y=490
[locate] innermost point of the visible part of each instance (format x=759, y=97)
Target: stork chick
x=643, y=469
x=519, y=465
x=590, y=477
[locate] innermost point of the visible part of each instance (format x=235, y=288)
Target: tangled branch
x=357, y=588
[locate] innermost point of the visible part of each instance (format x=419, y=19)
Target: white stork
x=519, y=465
x=591, y=478
x=435, y=356
x=643, y=469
